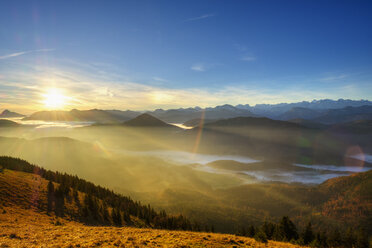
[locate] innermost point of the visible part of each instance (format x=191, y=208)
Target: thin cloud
x=334, y=78
x=159, y=79
x=248, y=58
x=200, y=17
x=23, y=90
x=24, y=52
x=198, y=67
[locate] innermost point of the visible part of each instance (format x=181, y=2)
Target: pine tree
x=116, y=217
x=260, y=236
x=286, y=230
x=268, y=228
x=308, y=235
x=251, y=231
x=76, y=198
x=127, y=217
x=50, y=196
x=60, y=203
x=105, y=213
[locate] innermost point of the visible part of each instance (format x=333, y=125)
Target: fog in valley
x=171, y=167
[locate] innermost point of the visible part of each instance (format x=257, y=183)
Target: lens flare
x=200, y=131
x=354, y=157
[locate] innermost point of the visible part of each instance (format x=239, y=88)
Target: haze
x=229, y=115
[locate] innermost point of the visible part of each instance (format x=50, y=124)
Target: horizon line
x=202, y=108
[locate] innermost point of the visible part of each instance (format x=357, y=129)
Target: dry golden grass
x=23, y=225
x=28, y=228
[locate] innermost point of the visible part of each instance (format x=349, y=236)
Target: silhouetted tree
x=251, y=231
x=50, y=196
x=116, y=217
x=59, y=202
x=260, y=236
x=268, y=228
x=286, y=230
x=308, y=235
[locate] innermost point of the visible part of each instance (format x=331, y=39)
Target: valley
x=197, y=171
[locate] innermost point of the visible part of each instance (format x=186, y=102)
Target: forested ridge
x=71, y=197
x=96, y=205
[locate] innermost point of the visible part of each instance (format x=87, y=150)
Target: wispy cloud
x=22, y=90
x=7, y=56
x=200, y=17
x=159, y=79
x=248, y=58
x=198, y=67
x=334, y=78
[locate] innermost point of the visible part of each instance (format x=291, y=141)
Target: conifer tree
x=308, y=234
x=50, y=196
x=251, y=231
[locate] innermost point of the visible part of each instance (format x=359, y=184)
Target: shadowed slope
x=146, y=120
x=8, y=123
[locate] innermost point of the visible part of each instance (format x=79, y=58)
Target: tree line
x=287, y=231
x=97, y=205
x=86, y=202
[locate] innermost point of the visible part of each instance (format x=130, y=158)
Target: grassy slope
x=23, y=225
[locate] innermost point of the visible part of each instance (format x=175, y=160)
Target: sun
x=54, y=99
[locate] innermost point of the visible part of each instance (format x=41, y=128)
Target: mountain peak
x=9, y=114
x=146, y=120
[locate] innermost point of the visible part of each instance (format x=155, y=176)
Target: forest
x=72, y=197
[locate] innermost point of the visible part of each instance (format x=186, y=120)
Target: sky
x=144, y=55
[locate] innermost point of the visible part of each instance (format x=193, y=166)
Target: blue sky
x=165, y=54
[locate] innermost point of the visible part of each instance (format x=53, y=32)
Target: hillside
x=16, y=222
x=146, y=120
x=308, y=123
x=92, y=115
x=24, y=205
x=8, y=123
x=301, y=113
x=253, y=122
x=197, y=121
x=9, y=114
x=347, y=114
x=355, y=127
x=350, y=199
x=75, y=198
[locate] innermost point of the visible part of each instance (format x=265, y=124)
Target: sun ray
x=54, y=99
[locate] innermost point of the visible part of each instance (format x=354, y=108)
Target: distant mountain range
x=329, y=116
x=93, y=115
x=322, y=111
x=275, y=110
x=219, y=112
x=8, y=114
